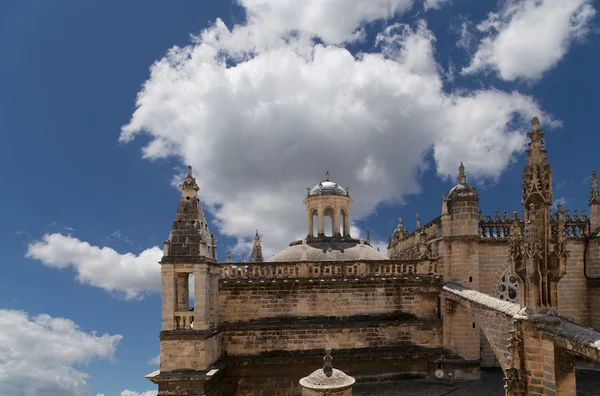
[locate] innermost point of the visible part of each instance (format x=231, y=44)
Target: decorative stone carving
x=594, y=193
x=566, y=362
x=450, y=307
x=515, y=377
x=515, y=382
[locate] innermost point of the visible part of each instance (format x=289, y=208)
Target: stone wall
x=186, y=350
x=316, y=335
x=240, y=302
x=573, y=293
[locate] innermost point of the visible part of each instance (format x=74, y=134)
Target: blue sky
x=262, y=101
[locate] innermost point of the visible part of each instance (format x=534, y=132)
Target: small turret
x=256, y=256
x=189, y=235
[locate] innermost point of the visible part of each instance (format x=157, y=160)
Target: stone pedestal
x=327, y=381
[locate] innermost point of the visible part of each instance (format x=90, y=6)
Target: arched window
x=342, y=222
x=508, y=288
x=328, y=222
x=315, y=223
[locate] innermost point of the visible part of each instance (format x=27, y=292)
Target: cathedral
x=464, y=291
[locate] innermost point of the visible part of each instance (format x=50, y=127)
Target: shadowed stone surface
x=491, y=384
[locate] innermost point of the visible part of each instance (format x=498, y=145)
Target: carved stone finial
x=400, y=225
x=327, y=367
x=308, y=191
x=229, y=259
x=418, y=221
x=347, y=191
x=594, y=193
x=535, y=124
x=462, y=179
x=327, y=176
x=368, y=236
x=190, y=182
x=256, y=237
x=389, y=241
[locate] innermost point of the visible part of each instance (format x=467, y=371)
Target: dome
x=462, y=190
x=328, y=187
x=328, y=250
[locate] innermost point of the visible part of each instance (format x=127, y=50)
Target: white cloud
x=127, y=392
x=37, y=355
x=334, y=21
x=528, y=37
x=155, y=361
x=434, y=4
x=260, y=131
x=125, y=274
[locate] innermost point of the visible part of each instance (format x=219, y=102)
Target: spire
x=537, y=267
x=537, y=175
x=594, y=194
x=189, y=235
x=256, y=256
x=327, y=176
x=462, y=179
x=190, y=182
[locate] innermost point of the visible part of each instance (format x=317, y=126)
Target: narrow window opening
x=328, y=222
x=473, y=324
x=470, y=279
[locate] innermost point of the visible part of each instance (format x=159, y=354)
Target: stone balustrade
x=498, y=228
x=346, y=269
x=430, y=231
x=183, y=320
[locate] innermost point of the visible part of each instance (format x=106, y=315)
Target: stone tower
x=190, y=340
x=460, y=261
x=538, y=268
x=328, y=199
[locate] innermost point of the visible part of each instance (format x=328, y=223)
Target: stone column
x=310, y=222
x=168, y=296
x=347, y=222
x=201, y=297
x=327, y=381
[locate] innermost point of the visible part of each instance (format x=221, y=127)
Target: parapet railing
x=183, y=320
x=430, y=230
x=321, y=270
x=496, y=227
x=499, y=227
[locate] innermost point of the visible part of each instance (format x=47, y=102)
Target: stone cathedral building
x=465, y=290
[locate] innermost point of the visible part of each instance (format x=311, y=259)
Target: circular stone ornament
x=319, y=381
